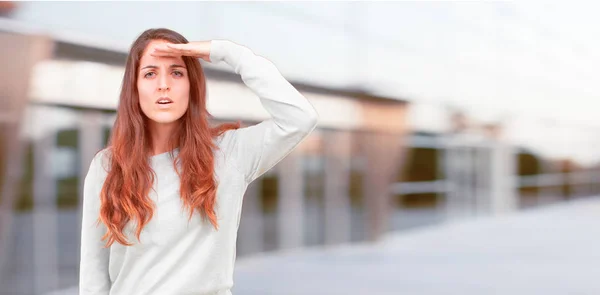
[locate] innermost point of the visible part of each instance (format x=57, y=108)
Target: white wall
x=95, y=85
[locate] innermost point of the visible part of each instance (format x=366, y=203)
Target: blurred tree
x=67, y=187
x=567, y=166
x=24, y=201
x=528, y=165
x=422, y=165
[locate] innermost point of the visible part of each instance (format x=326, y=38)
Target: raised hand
x=198, y=49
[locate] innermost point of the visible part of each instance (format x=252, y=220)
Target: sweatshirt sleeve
x=93, y=268
x=258, y=148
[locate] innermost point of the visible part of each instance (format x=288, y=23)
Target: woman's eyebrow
x=156, y=67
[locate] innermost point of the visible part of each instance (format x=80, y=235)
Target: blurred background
x=431, y=113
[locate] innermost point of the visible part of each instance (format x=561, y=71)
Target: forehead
x=148, y=59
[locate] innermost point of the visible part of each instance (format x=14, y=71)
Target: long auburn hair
x=124, y=195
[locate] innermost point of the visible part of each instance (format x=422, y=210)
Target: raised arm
x=93, y=266
x=258, y=148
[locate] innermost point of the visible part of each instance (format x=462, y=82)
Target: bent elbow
x=309, y=121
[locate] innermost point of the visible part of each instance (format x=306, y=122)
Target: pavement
x=551, y=250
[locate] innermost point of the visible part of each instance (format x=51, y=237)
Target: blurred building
x=65, y=94
x=380, y=160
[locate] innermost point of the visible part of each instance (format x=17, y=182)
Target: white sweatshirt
x=174, y=256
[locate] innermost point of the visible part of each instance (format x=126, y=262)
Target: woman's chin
x=164, y=119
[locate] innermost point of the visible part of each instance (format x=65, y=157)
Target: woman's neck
x=161, y=134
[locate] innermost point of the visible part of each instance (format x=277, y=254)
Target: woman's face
x=163, y=86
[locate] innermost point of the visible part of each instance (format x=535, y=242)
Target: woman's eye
x=178, y=73
x=149, y=74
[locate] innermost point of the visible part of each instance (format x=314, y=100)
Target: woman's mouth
x=164, y=101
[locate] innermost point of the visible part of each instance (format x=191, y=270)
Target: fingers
x=172, y=50
x=163, y=50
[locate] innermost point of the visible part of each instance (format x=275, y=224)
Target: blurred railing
x=538, y=181
x=478, y=176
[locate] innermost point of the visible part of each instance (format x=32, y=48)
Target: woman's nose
x=163, y=83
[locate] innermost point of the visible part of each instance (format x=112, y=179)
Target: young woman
x=162, y=202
